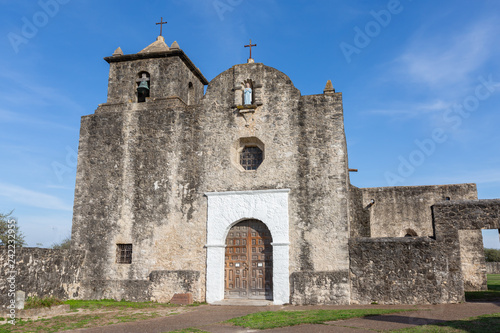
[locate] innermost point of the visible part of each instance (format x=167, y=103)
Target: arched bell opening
x=143, y=86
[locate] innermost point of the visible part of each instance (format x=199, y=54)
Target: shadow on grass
x=481, y=324
x=406, y=320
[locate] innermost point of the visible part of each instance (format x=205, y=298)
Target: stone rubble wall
x=422, y=270
x=401, y=210
x=42, y=273
x=493, y=267
x=415, y=270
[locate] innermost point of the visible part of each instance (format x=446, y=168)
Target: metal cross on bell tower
x=161, y=23
x=250, y=60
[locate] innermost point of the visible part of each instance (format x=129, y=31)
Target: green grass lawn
x=492, y=294
x=273, y=319
x=112, y=304
x=481, y=324
x=494, y=282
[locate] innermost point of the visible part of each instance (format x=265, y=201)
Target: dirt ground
x=209, y=318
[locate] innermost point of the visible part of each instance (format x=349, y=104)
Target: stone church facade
x=243, y=191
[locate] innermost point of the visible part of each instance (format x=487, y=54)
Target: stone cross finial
x=143, y=78
x=250, y=46
x=161, y=23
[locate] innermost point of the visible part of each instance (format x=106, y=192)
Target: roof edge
x=163, y=54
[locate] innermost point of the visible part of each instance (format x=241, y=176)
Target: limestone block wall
x=42, y=273
x=398, y=209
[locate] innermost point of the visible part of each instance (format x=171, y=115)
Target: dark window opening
x=190, y=93
x=124, y=253
x=251, y=158
x=447, y=198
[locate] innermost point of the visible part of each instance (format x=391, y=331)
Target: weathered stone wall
x=406, y=210
x=359, y=215
x=403, y=209
x=164, y=284
x=467, y=215
x=135, y=185
x=42, y=272
x=465, y=219
x=472, y=259
x=416, y=270
x=314, y=288
x=129, y=290
x=413, y=270
x=493, y=267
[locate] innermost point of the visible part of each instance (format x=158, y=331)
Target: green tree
x=492, y=255
x=65, y=244
x=9, y=231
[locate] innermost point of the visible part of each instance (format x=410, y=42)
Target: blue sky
x=420, y=82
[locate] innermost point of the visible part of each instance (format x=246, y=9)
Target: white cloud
x=446, y=62
x=412, y=110
x=7, y=116
x=477, y=176
x=32, y=199
x=24, y=90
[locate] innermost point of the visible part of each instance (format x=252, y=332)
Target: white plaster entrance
x=225, y=209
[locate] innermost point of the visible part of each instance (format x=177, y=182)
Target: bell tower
x=155, y=73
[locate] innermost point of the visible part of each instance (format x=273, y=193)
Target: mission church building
x=243, y=192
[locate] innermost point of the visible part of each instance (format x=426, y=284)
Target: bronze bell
x=143, y=88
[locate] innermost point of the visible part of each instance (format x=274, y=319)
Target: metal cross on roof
x=250, y=46
x=161, y=23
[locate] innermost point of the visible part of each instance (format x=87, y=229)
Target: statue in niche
x=247, y=94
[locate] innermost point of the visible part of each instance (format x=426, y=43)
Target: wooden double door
x=248, y=271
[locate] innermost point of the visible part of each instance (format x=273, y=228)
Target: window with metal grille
x=251, y=158
x=124, y=253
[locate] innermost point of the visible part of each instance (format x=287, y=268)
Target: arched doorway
x=248, y=265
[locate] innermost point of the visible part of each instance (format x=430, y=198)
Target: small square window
x=124, y=253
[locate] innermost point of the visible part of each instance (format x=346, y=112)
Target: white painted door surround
x=225, y=209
